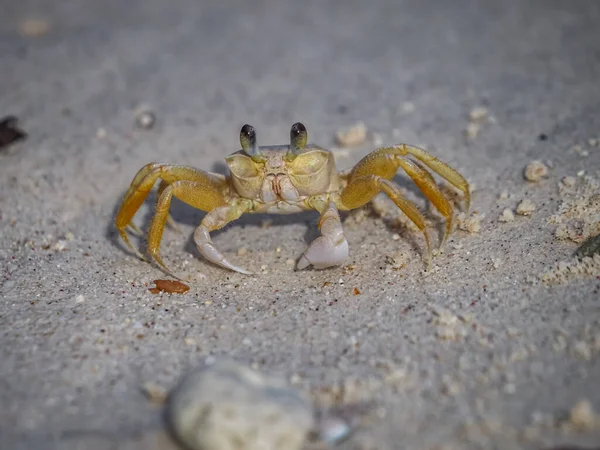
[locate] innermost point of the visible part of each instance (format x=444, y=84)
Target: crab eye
x=248, y=140
x=298, y=137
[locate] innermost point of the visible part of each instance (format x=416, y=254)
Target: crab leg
x=170, y=221
x=329, y=249
x=361, y=190
x=214, y=220
x=198, y=195
x=386, y=161
x=161, y=187
x=426, y=184
x=378, y=163
x=143, y=182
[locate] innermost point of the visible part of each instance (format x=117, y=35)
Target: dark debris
x=590, y=247
x=10, y=131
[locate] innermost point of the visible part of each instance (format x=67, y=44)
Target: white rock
x=226, y=406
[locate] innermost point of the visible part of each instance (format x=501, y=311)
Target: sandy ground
x=483, y=351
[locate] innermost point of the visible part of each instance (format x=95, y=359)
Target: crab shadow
x=184, y=214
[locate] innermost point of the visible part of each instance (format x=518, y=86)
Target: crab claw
x=330, y=249
x=323, y=253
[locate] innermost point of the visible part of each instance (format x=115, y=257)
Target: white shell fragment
x=227, y=406
x=333, y=430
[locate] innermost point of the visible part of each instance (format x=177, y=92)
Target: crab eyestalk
x=298, y=138
x=248, y=141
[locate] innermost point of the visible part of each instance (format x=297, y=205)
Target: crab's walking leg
x=385, y=161
x=329, y=249
x=161, y=187
x=378, y=163
x=142, y=184
x=361, y=190
x=196, y=194
x=214, y=220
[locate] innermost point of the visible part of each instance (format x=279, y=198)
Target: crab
x=284, y=179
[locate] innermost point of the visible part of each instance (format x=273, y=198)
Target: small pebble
x=34, y=27
x=242, y=251
x=472, y=223
x=526, y=207
x=582, y=350
x=145, y=118
x=227, y=406
x=535, y=171
x=290, y=262
x=478, y=114
x=477, y=117
x=579, y=150
x=333, y=430
x=583, y=417
x=352, y=136
x=569, y=181
x=506, y=216
x=472, y=130
x=154, y=393
x=60, y=246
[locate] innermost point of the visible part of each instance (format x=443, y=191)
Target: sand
x=483, y=351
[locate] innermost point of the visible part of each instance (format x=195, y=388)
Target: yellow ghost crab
x=284, y=179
